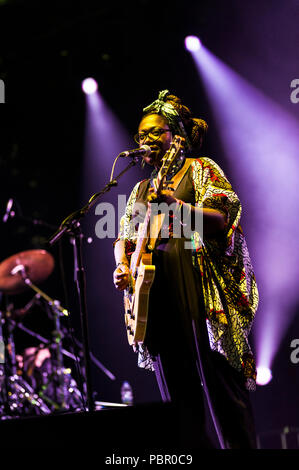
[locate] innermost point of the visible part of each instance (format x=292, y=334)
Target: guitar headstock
x=170, y=157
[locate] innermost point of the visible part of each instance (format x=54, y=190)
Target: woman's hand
x=164, y=196
x=121, y=276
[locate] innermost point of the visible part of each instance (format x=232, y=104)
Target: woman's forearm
x=120, y=252
x=213, y=221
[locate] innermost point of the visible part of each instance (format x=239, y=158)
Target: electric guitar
x=142, y=271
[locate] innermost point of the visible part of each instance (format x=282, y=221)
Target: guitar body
x=136, y=300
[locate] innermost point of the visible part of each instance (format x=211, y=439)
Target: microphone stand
x=72, y=226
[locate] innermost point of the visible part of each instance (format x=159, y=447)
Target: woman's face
x=159, y=146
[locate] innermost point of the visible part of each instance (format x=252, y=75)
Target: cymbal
x=38, y=265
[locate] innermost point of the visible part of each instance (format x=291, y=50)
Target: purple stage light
x=105, y=138
x=264, y=375
x=192, y=43
x=261, y=142
x=89, y=86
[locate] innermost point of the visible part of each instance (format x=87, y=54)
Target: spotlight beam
x=261, y=144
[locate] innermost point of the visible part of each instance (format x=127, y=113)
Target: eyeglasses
x=154, y=134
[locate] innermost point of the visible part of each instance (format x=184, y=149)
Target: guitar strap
x=157, y=220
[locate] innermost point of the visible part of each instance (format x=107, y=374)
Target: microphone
x=8, y=211
x=143, y=151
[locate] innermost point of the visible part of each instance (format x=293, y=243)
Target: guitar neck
x=167, y=162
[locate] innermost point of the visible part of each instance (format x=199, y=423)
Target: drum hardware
x=3, y=375
x=18, y=396
x=60, y=375
x=21, y=397
x=16, y=275
x=57, y=333
x=73, y=391
x=16, y=392
x=66, y=389
x=20, y=392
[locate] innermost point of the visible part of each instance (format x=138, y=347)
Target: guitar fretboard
x=143, y=236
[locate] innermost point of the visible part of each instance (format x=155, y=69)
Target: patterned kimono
x=227, y=279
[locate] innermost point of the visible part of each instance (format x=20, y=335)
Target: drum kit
x=37, y=382
x=51, y=377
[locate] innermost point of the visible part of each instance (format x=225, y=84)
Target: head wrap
x=160, y=106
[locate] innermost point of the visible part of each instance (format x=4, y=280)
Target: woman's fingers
x=164, y=196
x=121, y=278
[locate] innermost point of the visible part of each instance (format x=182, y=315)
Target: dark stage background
x=134, y=49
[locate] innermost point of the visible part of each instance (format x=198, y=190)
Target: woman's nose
x=147, y=137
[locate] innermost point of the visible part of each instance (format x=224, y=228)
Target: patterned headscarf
x=160, y=106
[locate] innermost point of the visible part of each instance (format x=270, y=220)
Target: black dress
x=188, y=372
